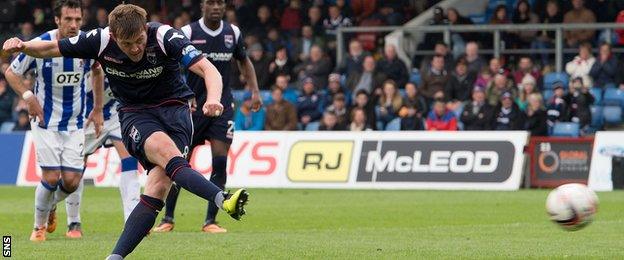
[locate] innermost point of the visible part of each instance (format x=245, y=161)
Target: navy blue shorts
x=172, y=118
x=213, y=128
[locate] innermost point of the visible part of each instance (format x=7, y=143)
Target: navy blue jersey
x=219, y=46
x=154, y=79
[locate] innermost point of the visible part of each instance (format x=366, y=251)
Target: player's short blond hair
x=127, y=20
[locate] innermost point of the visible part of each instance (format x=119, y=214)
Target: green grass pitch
x=322, y=224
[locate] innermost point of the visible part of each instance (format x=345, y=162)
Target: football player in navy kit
x=142, y=62
x=220, y=41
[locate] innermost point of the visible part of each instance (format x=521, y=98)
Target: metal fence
x=496, y=30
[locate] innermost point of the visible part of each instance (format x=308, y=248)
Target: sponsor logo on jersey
x=228, y=40
x=144, y=74
x=70, y=78
x=218, y=56
x=135, y=135
x=113, y=60
x=151, y=56
x=198, y=41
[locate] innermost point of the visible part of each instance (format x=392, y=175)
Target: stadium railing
x=496, y=30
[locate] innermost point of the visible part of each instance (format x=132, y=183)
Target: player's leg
x=219, y=151
x=48, y=150
x=167, y=223
x=72, y=207
x=144, y=214
x=129, y=185
x=72, y=167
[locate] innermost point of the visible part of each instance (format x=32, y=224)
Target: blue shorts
x=172, y=118
x=213, y=128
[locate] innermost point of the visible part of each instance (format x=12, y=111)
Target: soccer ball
x=572, y=206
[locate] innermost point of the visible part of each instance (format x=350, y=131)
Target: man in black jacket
x=461, y=81
x=477, y=114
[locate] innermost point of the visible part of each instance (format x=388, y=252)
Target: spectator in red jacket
x=291, y=18
x=440, y=119
x=525, y=67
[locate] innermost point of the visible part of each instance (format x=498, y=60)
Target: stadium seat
x=415, y=78
x=266, y=96
x=597, y=116
x=567, y=129
x=7, y=127
x=612, y=115
x=548, y=93
x=238, y=95
x=551, y=78
x=613, y=96
x=394, y=125
x=402, y=92
x=597, y=93
x=313, y=126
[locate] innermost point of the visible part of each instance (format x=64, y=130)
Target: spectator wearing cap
x=581, y=65
x=440, y=119
x=536, y=116
x=282, y=64
x=604, y=70
x=557, y=108
x=579, y=101
x=354, y=60
x=477, y=114
x=414, y=107
x=460, y=83
x=308, y=103
x=435, y=79
x=317, y=67
x=246, y=119
x=368, y=80
x=527, y=87
x=23, y=122
x=498, y=86
x=508, y=115
x=7, y=99
x=390, y=102
x=281, y=114
x=363, y=101
x=526, y=67
x=261, y=63
x=359, y=121
x=393, y=67
x=333, y=88
x=330, y=122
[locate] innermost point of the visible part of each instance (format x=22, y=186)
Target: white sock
x=130, y=190
x=72, y=204
x=43, y=203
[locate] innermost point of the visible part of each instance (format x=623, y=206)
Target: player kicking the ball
x=142, y=62
x=58, y=112
x=220, y=41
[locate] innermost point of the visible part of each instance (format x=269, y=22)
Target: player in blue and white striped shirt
x=58, y=105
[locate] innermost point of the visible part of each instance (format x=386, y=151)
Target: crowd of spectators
x=292, y=45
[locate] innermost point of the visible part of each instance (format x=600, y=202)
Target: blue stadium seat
x=266, y=96
x=612, y=115
x=478, y=18
x=597, y=116
x=567, y=129
x=394, y=125
x=551, y=78
x=548, y=93
x=402, y=92
x=415, y=78
x=7, y=127
x=597, y=93
x=238, y=95
x=313, y=126
x=613, y=96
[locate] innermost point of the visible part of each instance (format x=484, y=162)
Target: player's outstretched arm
x=16, y=82
x=97, y=115
x=248, y=71
x=37, y=48
x=214, y=86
